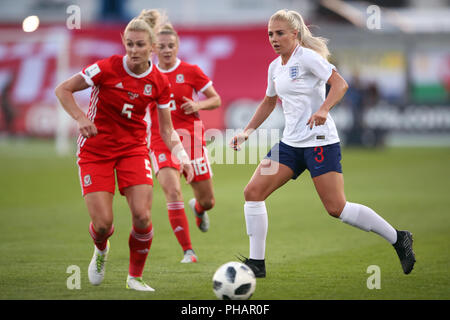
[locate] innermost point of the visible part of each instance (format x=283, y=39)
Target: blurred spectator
x=7, y=107
x=372, y=96
x=361, y=97
x=372, y=137
x=355, y=99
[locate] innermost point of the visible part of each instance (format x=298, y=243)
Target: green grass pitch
x=309, y=255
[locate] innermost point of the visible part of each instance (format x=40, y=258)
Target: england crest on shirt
x=294, y=72
x=148, y=90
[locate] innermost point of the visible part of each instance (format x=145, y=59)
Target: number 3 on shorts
x=319, y=158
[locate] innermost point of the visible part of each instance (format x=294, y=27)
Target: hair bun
x=151, y=17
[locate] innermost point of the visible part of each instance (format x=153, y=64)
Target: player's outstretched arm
x=64, y=92
x=263, y=111
x=173, y=142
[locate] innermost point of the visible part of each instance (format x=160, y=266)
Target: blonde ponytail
x=305, y=37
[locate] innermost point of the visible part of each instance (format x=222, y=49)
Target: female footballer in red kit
x=185, y=80
x=113, y=141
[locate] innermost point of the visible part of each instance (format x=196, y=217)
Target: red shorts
x=100, y=175
x=162, y=158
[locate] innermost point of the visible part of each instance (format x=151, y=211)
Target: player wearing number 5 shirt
x=113, y=142
x=186, y=80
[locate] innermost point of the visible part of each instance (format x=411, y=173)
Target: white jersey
x=300, y=84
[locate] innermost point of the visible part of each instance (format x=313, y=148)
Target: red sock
x=100, y=241
x=140, y=241
x=200, y=210
x=179, y=223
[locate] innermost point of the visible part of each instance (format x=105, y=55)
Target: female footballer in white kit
x=310, y=139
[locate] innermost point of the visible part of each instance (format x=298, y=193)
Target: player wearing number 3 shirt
x=310, y=140
x=186, y=80
x=113, y=142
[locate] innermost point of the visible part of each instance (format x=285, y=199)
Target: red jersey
x=185, y=80
x=118, y=105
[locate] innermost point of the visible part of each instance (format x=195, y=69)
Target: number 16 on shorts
x=200, y=166
x=202, y=169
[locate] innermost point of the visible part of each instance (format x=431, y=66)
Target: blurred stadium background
x=398, y=68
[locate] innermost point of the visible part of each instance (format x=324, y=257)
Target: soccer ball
x=234, y=281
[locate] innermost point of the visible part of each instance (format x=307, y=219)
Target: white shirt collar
x=297, y=48
x=131, y=73
x=177, y=63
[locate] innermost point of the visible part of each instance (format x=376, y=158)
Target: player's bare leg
x=139, y=200
x=202, y=202
x=330, y=187
x=99, y=205
x=268, y=177
x=261, y=185
x=169, y=179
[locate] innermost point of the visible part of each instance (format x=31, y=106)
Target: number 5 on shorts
x=149, y=168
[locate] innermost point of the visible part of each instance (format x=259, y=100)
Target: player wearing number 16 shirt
x=186, y=80
x=113, y=142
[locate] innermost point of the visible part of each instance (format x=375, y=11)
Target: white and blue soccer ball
x=234, y=281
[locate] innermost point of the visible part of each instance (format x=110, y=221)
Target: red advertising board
x=236, y=59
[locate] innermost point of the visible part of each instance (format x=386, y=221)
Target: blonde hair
x=305, y=37
x=168, y=29
x=148, y=21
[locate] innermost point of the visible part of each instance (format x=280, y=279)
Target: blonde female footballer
x=186, y=80
x=113, y=142
x=310, y=139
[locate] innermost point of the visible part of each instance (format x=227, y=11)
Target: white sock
x=256, y=222
x=364, y=218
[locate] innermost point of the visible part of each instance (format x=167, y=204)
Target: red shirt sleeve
x=163, y=99
x=201, y=80
x=94, y=73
